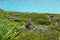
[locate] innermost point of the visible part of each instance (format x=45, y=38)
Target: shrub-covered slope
x=11, y=23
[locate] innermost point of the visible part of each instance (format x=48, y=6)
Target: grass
x=11, y=30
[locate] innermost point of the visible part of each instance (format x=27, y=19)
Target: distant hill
x=37, y=18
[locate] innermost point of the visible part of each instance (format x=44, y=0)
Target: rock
x=16, y=20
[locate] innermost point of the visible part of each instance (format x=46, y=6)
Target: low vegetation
x=11, y=23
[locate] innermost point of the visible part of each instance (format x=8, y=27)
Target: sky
x=42, y=6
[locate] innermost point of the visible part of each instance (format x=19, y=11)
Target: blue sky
x=44, y=6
